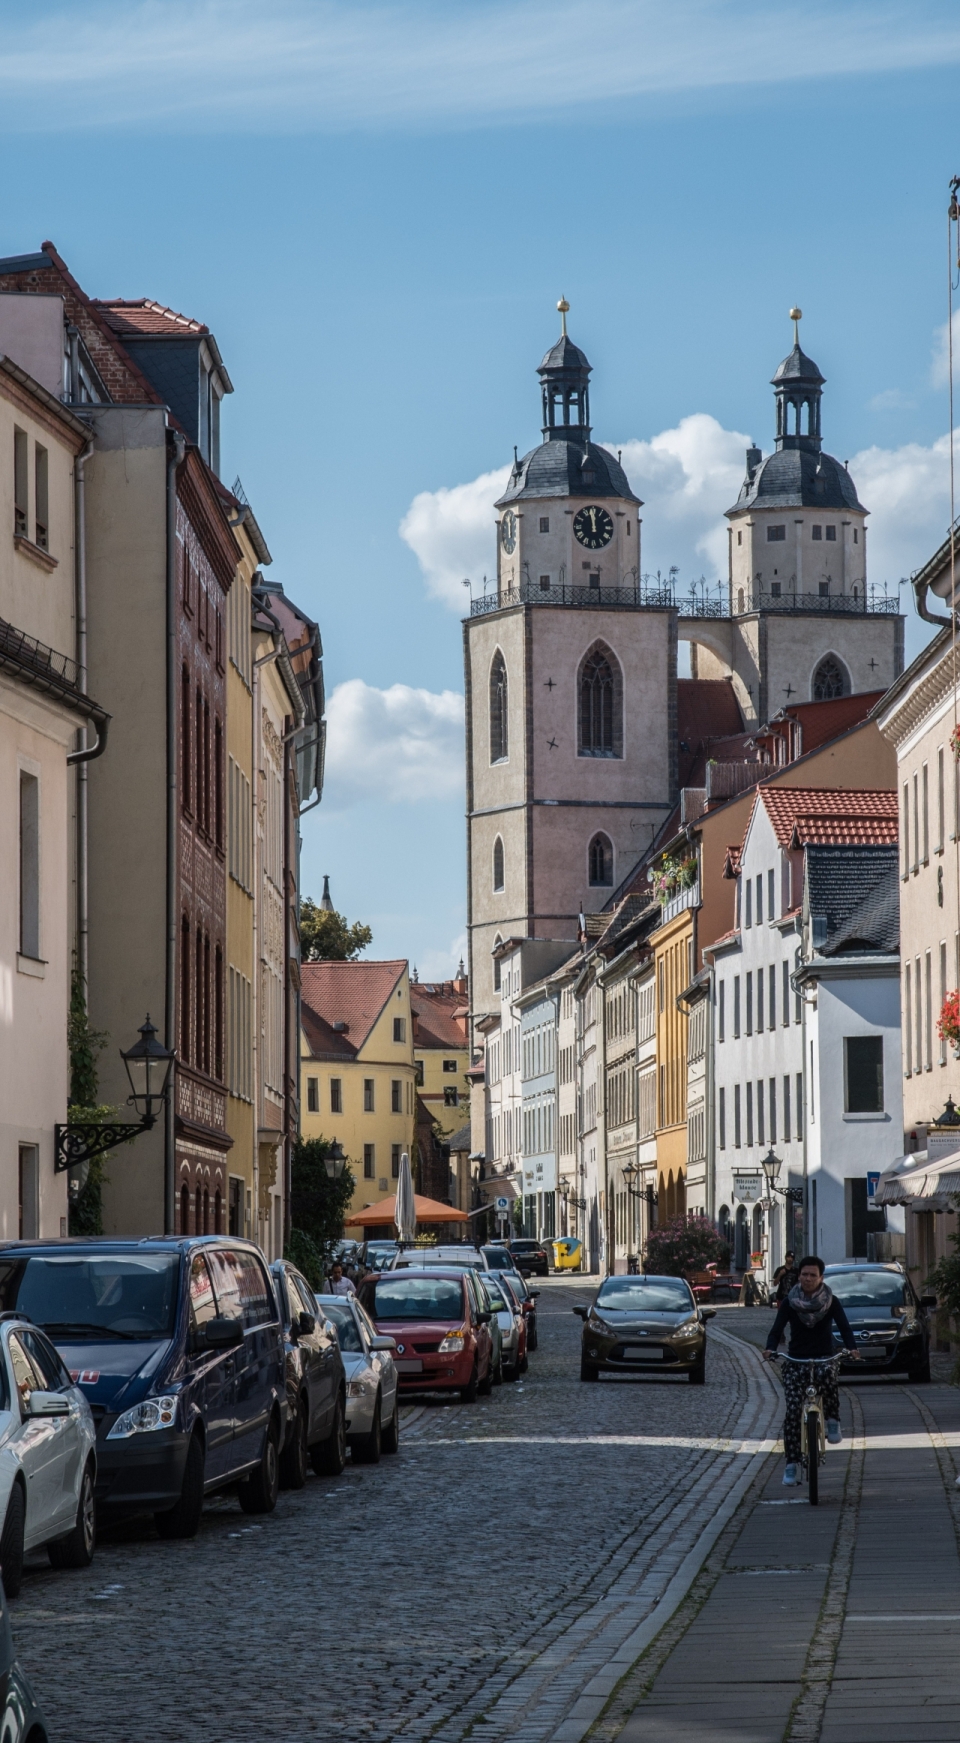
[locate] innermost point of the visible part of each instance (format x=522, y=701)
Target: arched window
x=601, y=861
x=184, y=1210
x=498, y=864
x=600, y=700
x=830, y=679
x=496, y=964
x=498, y=709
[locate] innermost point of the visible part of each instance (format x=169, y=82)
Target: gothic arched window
x=600, y=855
x=498, y=864
x=496, y=964
x=831, y=679
x=498, y=709
x=600, y=704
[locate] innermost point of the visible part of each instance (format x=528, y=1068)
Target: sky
x=375, y=208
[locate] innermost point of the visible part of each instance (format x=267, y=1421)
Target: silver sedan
x=510, y=1321
x=373, y=1407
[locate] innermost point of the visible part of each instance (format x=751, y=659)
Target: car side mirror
x=581, y=1312
x=383, y=1343
x=708, y=1313
x=533, y=1292
x=46, y=1404
x=928, y=1301
x=222, y=1333
x=484, y=1318
x=305, y=1324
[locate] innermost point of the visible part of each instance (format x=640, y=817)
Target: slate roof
x=797, y=367
x=856, y=890
x=797, y=478
x=354, y=993
x=556, y=469
x=564, y=355
x=139, y=316
x=461, y=1140
x=637, y=906
x=828, y=814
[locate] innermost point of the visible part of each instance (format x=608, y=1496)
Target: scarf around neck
x=810, y=1309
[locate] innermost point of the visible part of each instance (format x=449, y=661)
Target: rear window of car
x=631, y=1295
x=867, y=1288
x=417, y=1298
x=498, y=1258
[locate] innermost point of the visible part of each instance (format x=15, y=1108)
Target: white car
x=463, y=1257
x=510, y=1320
x=373, y=1406
x=48, y=1461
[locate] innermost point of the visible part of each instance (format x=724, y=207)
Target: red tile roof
x=828, y=815
x=140, y=316
x=354, y=993
x=440, y=1012
x=822, y=721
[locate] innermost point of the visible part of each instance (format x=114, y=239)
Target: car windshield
x=417, y=1298
x=94, y=1297
x=867, y=1288
x=340, y=1316
x=633, y=1295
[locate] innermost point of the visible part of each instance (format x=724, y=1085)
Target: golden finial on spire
x=564, y=308
x=796, y=316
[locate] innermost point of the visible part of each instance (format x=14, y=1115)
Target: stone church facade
x=571, y=665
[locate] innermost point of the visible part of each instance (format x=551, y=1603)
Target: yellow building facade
x=358, y=1074
x=440, y=1012
x=673, y=945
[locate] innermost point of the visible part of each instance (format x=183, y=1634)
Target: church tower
x=803, y=625
x=570, y=689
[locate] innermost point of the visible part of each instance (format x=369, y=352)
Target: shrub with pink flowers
x=682, y=1245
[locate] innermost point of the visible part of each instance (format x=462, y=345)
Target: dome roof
x=798, y=367
x=564, y=355
x=556, y=469
x=797, y=478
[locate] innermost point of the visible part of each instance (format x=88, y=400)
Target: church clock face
x=593, y=528
x=508, y=531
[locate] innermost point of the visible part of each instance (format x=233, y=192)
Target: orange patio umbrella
x=428, y=1211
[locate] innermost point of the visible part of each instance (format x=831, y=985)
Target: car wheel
x=920, y=1375
x=329, y=1456
x=697, y=1374
x=183, y=1518
x=511, y=1371
x=523, y=1365
x=588, y=1370
x=390, y=1438
x=11, y=1543
x=365, y=1449
x=469, y=1392
x=293, y=1459
x=259, y=1493
x=532, y=1339
x=76, y=1549
x=498, y=1371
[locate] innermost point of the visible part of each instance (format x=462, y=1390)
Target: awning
x=920, y=1179
x=383, y=1213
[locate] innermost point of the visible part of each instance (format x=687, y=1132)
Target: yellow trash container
x=567, y=1254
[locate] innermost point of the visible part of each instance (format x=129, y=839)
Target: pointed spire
x=326, y=900
x=796, y=316
x=415, y=975
x=461, y=971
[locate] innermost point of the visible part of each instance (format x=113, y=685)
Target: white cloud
x=907, y=491
x=451, y=533
x=325, y=65
x=393, y=745
x=440, y=964
x=940, y=362
x=687, y=477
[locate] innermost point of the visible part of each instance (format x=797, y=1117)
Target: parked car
x=527, y=1298
x=177, y=1346
x=48, y=1461
x=887, y=1318
x=510, y=1321
x=443, y=1339
x=531, y=1257
x=316, y=1384
x=644, y=1324
x=21, y=1720
x=377, y=1254
x=406, y=1258
x=373, y=1398
x=499, y=1257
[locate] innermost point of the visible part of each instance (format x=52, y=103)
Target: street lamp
x=334, y=1160
x=771, y=1166
x=148, y=1067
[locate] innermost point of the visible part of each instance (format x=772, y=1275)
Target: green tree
x=86, y=1045
x=317, y=1208
x=684, y=1244
x=325, y=935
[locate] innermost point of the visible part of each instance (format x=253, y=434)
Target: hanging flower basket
x=955, y=743
x=948, y=1022
x=671, y=876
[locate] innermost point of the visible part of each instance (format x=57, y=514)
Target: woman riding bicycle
x=809, y=1309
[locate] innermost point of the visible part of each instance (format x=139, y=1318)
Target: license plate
x=642, y=1353
x=409, y=1367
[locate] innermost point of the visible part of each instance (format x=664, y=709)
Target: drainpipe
x=83, y=757
x=175, y=453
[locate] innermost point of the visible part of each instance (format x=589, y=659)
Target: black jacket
x=810, y=1340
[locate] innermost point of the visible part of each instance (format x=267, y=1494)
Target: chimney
x=754, y=457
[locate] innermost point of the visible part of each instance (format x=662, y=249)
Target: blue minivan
x=178, y=1347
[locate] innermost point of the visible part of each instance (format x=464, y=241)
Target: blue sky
x=376, y=208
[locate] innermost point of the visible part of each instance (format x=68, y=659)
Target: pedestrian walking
x=339, y=1284
x=785, y=1277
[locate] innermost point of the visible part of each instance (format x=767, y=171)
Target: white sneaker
x=790, y=1477
x=834, y=1431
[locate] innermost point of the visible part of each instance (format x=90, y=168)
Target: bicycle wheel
x=813, y=1456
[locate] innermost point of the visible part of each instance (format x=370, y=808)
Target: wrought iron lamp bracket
x=74, y=1145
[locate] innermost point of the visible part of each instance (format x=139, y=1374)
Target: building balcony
x=643, y=597
x=678, y=904
x=873, y=603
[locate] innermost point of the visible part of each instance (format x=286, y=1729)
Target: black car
x=887, y=1318
x=316, y=1383
x=530, y=1258
x=178, y=1347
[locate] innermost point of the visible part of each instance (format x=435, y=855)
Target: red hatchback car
x=442, y=1335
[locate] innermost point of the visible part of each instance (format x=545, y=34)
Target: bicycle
x=813, y=1441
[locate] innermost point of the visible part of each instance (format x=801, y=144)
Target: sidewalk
x=836, y=1624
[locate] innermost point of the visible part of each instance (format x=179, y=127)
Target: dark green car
x=644, y=1325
